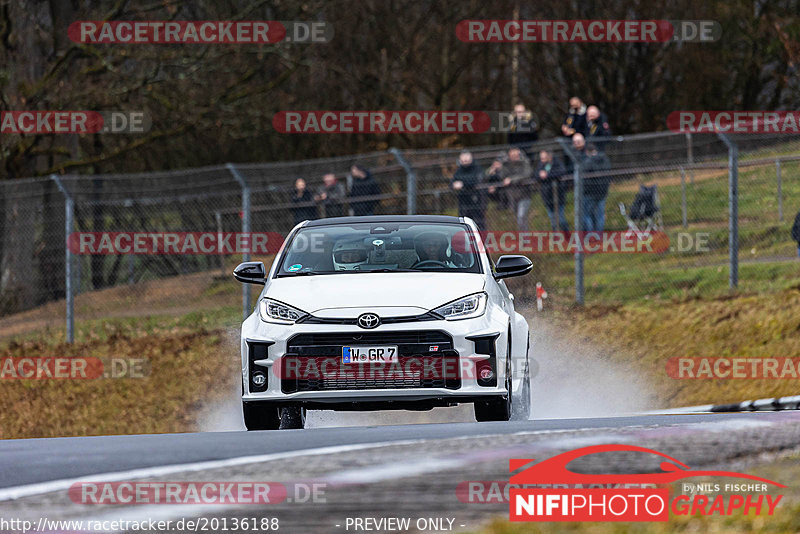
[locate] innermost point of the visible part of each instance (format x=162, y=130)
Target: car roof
x=385, y=219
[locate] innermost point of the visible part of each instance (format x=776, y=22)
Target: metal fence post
x=69, y=207
x=690, y=156
x=578, y=194
x=683, y=198
x=733, y=209
x=246, y=230
x=780, y=192
x=411, y=182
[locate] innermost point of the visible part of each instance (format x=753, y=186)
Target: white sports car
x=383, y=312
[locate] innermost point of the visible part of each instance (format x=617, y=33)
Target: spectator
x=575, y=119
x=597, y=131
x=523, y=131
x=550, y=171
x=331, y=195
x=595, y=189
x=493, y=178
x=465, y=182
x=516, y=174
x=796, y=232
x=304, y=208
x=364, y=185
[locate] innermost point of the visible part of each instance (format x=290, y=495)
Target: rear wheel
x=260, y=417
x=498, y=409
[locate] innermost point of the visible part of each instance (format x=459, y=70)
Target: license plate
x=370, y=354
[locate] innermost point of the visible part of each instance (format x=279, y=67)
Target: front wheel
x=292, y=417
x=260, y=417
x=522, y=406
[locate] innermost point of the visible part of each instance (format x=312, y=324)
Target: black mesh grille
x=426, y=359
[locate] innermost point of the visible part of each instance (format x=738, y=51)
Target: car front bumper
x=264, y=347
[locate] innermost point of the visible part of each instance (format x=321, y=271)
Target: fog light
x=486, y=374
x=259, y=379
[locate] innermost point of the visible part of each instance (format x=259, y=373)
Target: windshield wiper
x=386, y=270
x=303, y=273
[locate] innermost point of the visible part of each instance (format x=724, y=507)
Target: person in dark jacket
x=303, y=207
x=331, y=195
x=364, y=185
x=516, y=174
x=523, y=130
x=465, y=182
x=796, y=232
x=597, y=131
x=550, y=172
x=595, y=188
x=575, y=119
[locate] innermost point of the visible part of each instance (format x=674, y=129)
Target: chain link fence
x=695, y=179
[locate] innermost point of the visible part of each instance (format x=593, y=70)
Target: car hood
x=424, y=291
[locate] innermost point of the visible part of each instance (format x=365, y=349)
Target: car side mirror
x=508, y=266
x=251, y=272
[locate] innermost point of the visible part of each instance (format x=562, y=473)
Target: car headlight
x=272, y=311
x=463, y=308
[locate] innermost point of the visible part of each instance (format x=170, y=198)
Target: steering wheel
x=434, y=262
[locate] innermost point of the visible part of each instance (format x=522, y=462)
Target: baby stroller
x=644, y=212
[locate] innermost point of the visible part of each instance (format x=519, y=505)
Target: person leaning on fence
x=516, y=174
x=364, y=185
x=466, y=181
x=550, y=172
x=331, y=196
x=493, y=178
x=303, y=207
x=597, y=131
x=595, y=188
x=796, y=232
x=523, y=131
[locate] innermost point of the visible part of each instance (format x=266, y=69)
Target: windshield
x=379, y=247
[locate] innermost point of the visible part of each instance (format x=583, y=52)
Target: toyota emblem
x=368, y=320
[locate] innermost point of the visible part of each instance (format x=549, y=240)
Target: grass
x=183, y=361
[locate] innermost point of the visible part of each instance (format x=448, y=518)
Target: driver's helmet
x=349, y=256
x=432, y=246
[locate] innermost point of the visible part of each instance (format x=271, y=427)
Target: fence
x=726, y=193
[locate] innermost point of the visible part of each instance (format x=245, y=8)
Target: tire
x=260, y=417
x=522, y=405
x=500, y=408
x=292, y=417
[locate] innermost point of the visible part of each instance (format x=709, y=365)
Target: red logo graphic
x=616, y=504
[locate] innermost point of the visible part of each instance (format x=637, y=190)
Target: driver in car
x=431, y=248
x=349, y=256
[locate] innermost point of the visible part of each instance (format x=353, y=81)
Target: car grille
x=426, y=359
